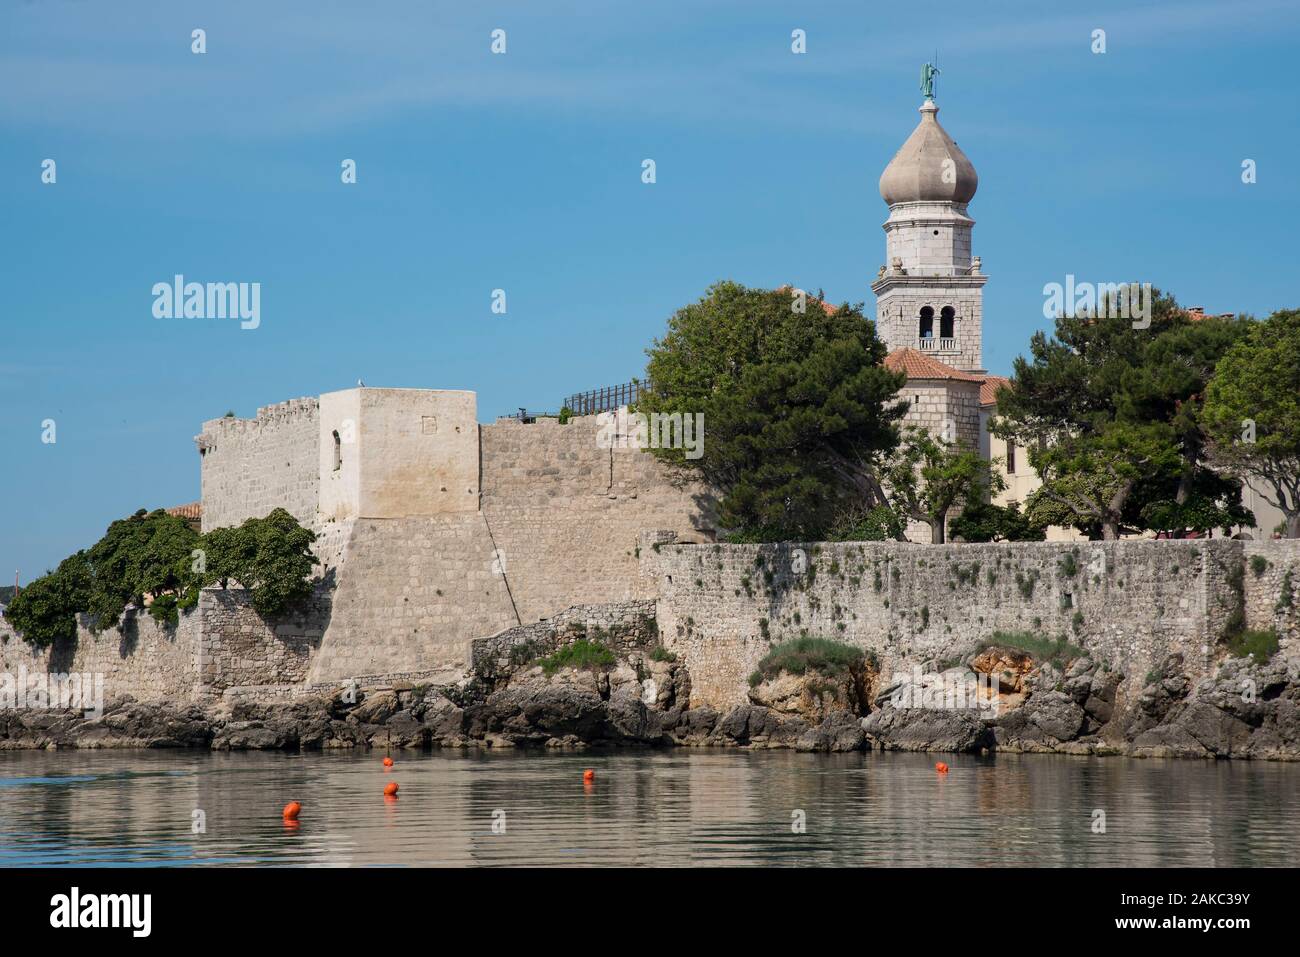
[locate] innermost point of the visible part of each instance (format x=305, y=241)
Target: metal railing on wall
x=605, y=399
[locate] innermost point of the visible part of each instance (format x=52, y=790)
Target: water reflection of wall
x=680, y=808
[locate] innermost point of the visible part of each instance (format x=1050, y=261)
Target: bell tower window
x=927, y=322
x=947, y=318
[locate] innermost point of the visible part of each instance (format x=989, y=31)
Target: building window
x=947, y=318
x=927, y=322
x=1011, y=457
x=338, y=451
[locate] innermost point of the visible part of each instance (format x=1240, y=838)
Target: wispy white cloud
x=289, y=69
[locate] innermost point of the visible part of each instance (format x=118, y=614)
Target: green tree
x=984, y=522
x=148, y=554
x=1252, y=412
x=858, y=523
x=1111, y=417
x=149, y=559
x=928, y=476
x=271, y=557
x=45, y=611
x=797, y=409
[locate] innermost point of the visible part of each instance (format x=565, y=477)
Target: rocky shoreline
x=1247, y=710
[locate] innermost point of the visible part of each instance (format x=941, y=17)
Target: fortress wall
x=238, y=647
x=251, y=466
x=566, y=515
x=142, y=658
x=625, y=626
x=1135, y=602
x=413, y=593
x=220, y=643
x=1272, y=590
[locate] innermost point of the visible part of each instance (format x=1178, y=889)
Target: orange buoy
x=588, y=775
x=941, y=768
x=388, y=762
x=390, y=789
x=291, y=810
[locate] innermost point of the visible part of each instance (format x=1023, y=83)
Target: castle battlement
x=279, y=413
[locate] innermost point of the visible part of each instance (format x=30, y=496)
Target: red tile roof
x=918, y=365
x=190, y=510
x=1198, y=313
x=989, y=390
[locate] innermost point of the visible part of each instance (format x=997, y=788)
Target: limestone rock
x=841, y=731
x=1008, y=665
x=926, y=729
x=251, y=736
x=629, y=718
x=810, y=696
x=756, y=726
x=695, y=726
x=377, y=708
x=535, y=713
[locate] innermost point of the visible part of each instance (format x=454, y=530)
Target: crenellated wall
x=250, y=466
x=1130, y=604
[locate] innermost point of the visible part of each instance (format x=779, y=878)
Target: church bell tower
x=929, y=291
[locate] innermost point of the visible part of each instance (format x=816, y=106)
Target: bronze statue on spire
x=928, y=72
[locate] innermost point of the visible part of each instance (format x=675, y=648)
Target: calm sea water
x=670, y=808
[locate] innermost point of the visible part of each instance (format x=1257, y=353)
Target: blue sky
x=522, y=172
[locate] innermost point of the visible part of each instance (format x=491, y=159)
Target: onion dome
x=916, y=174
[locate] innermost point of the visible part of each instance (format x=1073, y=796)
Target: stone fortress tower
x=929, y=291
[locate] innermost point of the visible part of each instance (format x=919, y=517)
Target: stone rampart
x=1129, y=604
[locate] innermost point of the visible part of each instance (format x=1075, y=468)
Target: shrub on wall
x=1057, y=651
x=156, y=560
x=821, y=655
x=1259, y=645
x=581, y=654
x=861, y=524
x=148, y=555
